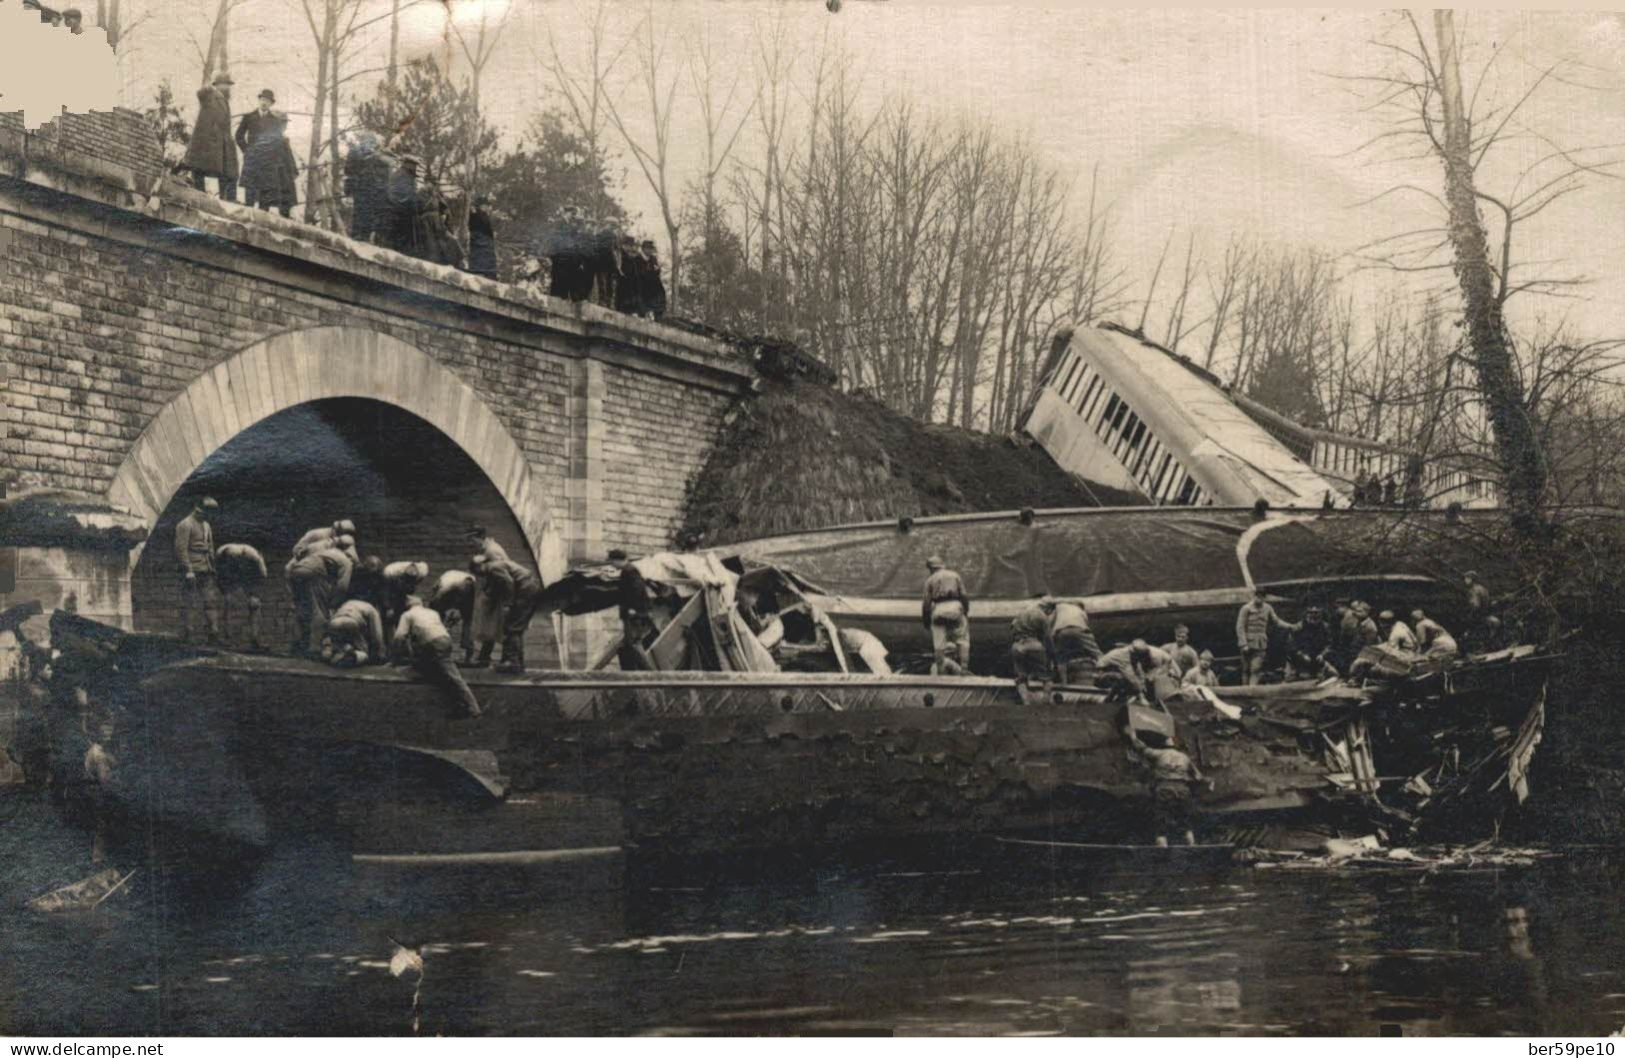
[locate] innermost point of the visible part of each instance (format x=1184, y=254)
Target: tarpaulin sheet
x=1087, y=554
x=1108, y=552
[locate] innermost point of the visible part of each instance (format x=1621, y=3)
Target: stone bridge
x=157, y=345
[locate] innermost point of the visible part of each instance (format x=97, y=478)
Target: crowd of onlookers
x=394, y=204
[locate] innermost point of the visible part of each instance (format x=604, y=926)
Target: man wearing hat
x=210, y=151
x=194, y=547
x=1202, y=675
x=946, y=613
x=269, y=170
x=1253, y=623
x=652, y=290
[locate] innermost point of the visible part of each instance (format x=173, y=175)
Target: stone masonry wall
x=101, y=335
x=120, y=137
x=650, y=426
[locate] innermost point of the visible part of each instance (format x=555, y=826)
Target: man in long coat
x=210, y=151
x=269, y=170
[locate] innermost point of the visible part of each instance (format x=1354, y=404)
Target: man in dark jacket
x=482, y=241
x=653, y=300
x=522, y=590
x=269, y=169
x=366, y=181
x=629, y=283
x=636, y=624
x=210, y=151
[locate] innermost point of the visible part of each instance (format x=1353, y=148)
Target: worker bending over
x=453, y=600
x=318, y=581
x=519, y=592
x=1030, y=650
x=1072, y=645
x=241, y=568
x=355, y=635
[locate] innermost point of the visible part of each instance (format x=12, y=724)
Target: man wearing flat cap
x=194, y=548
x=210, y=151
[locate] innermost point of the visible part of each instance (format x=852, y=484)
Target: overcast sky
x=1205, y=121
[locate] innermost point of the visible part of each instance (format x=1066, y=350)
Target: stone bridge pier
x=157, y=346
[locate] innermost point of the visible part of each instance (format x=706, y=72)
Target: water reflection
x=1006, y=951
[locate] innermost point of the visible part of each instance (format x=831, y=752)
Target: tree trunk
x=217, y=57
x=335, y=186
x=324, y=50
x=1517, y=446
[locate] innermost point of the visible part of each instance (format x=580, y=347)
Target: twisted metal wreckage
x=725, y=745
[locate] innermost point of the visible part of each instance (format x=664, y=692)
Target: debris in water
x=85, y=895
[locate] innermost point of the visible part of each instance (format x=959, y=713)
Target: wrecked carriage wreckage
x=720, y=750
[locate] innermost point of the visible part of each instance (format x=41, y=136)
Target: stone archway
x=303, y=366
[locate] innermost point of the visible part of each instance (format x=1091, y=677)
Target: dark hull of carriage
x=708, y=763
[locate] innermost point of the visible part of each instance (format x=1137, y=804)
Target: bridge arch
x=321, y=363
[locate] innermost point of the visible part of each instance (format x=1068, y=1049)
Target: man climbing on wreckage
x=1172, y=776
x=946, y=614
x=422, y=641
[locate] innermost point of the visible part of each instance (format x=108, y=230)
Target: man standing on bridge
x=194, y=547
x=210, y=150
x=241, y=568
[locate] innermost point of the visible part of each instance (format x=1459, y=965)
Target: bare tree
x=477, y=47
x=656, y=85
x=585, y=86
x=1425, y=99
x=717, y=118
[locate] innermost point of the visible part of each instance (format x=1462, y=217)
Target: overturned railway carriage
x=1141, y=571
x=719, y=751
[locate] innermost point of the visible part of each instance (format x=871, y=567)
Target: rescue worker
x=1202, y=675
x=355, y=635
x=1172, y=774
x=400, y=579
x=1253, y=623
x=1072, y=644
x=868, y=647
x=1030, y=649
x=1133, y=669
x=367, y=582
x=421, y=638
x=324, y=536
x=241, y=568
x=1431, y=637
x=633, y=599
x=1181, y=651
x=453, y=600
x=194, y=547
x=946, y=614
x=520, y=591
x=318, y=580
x=1396, y=633
x=1312, y=645
x=488, y=611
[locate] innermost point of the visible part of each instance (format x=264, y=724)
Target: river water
x=1020, y=944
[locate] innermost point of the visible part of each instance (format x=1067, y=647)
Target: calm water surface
x=1021, y=946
